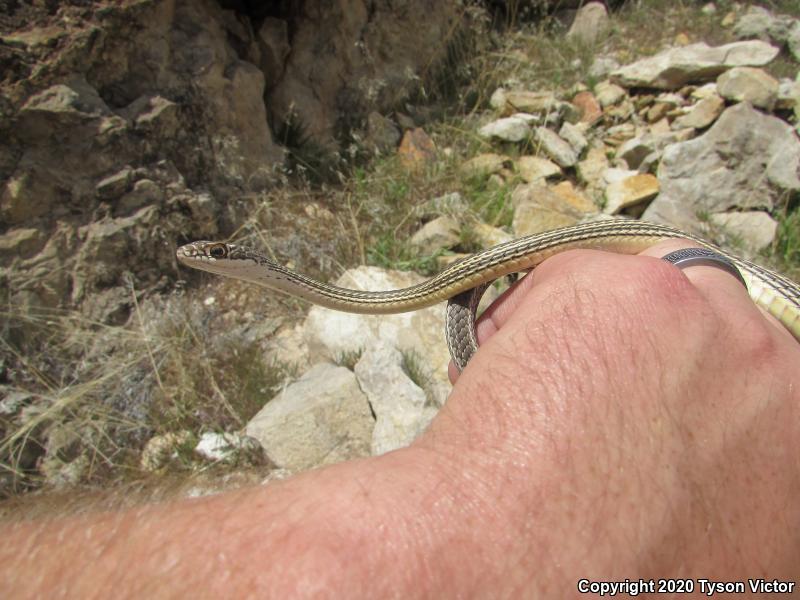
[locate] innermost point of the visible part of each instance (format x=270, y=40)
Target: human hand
x=631, y=420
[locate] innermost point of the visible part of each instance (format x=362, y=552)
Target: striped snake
x=463, y=282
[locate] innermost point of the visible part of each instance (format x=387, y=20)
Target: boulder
x=320, y=419
x=746, y=84
x=746, y=160
x=674, y=68
x=590, y=23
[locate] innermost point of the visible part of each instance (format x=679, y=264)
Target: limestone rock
x=602, y=65
x=754, y=229
x=537, y=208
x=533, y=168
x=590, y=170
x=746, y=160
x=531, y=102
x=573, y=135
x=483, y=165
x=228, y=447
x=452, y=204
x=634, y=151
x=555, y=147
x=442, y=232
x=702, y=114
x=573, y=197
x=629, y=192
x=320, y=419
x=331, y=334
x=489, y=236
x=509, y=129
x=761, y=24
x=608, y=93
x=673, y=68
x=591, y=22
x=746, y=84
x=398, y=402
x=588, y=106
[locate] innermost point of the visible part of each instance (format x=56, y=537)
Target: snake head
x=222, y=258
x=202, y=251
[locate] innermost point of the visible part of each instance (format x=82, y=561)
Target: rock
x=398, y=402
x=574, y=198
x=228, y=447
x=590, y=170
x=534, y=168
x=273, y=41
x=755, y=230
x=331, y=334
x=676, y=67
x=793, y=40
x=531, y=102
x=702, y=114
x=145, y=192
x=746, y=160
x=537, y=208
x=498, y=99
x=452, y=204
x=573, y=135
x=115, y=185
x=614, y=175
x=21, y=243
x=618, y=134
x=729, y=19
x=320, y=419
x=759, y=23
x=442, y=232
x=588, y=106
x=634, y=151
x=345, y=61
x=509, y=129
x=416, y=149
x=382, y=135
x=489, y=236
x=788, y=95
x=746, y=84
x=483, y=165
x=26, y=195
x=681, y=39
x=556, y=148
x=160, y=450
x=629, y=192
x=704, y=91
x=591, y=22
x=602, y=66
x=608, y=93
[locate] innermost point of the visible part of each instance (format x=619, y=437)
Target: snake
x=463, y=282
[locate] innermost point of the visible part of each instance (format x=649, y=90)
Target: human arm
x=620, y=420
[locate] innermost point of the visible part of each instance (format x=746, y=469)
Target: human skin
x=622, y=419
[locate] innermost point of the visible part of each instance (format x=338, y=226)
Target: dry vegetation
x=94, y=394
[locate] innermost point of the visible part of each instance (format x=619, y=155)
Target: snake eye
x=218, y=251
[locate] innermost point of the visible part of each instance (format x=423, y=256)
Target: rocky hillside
x=132, y=127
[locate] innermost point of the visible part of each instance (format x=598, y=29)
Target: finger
x=720, y=287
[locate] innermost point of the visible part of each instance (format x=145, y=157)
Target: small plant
x=348, y=358
x=414, y=367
